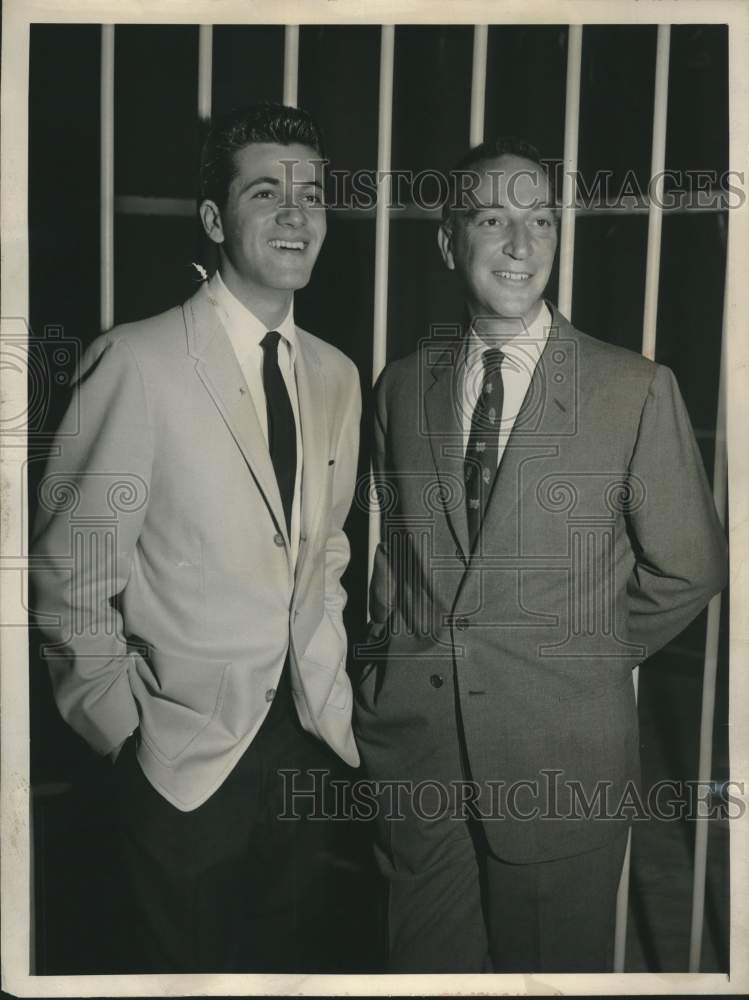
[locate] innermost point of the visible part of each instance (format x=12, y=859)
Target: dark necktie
x=281, y=425
x=483, y=443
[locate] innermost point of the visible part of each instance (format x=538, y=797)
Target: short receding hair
x=253, y=123
x=485, y=151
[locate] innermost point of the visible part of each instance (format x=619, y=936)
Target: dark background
x=79, y=906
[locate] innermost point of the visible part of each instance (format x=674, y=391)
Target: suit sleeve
x=92, y=502
x=679, y=544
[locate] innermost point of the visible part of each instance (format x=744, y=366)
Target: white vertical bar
x=291, y=65
x=720, y=461
x=382, y=231
x=106, y=189
x=712, y=642
x=18, y=396
x=622, y=906
x=569, y=193
x=382, y=218
x=205, y=72
x=622, y=894
x=478, y=84
x=658, y=159
x=655, y=209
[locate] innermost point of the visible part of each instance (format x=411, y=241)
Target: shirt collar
x=244, y=328
x=530, y=342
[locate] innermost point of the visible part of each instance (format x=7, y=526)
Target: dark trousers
x=230, y=887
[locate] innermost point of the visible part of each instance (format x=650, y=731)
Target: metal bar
x=291, y=65
x=106, y=167
x=655, y=215
x=622, y=894
x=712, y=644
x=382, y=231
x=571, y=139
x=622, y=906
x=478, y=84
x=658, y=159
x=382, y=217
x=205, y=72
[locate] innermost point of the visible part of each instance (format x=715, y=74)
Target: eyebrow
x=259, y=180
x=275, y=182
x=541, y=206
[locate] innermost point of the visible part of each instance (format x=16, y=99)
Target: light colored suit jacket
x=600, y=543
x=163, y=577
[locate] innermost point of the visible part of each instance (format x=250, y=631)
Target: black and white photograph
x=374, y=498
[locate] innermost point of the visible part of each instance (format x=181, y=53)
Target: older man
x=548, y=525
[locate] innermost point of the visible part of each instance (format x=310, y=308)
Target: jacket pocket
x=327, y=647
x=178, y=698
x=341, y=695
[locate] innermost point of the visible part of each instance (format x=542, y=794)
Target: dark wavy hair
x=261, y=122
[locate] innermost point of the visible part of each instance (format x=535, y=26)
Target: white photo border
x=16, y=854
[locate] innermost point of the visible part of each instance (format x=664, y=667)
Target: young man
x=201, y=641
x=548, y=526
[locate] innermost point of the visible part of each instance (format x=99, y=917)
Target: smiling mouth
x=294, y=245
x=512, y=275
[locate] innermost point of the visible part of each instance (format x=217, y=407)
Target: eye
x=313, y=198
x=543, y=222
x=263, y=193
x=491, y=221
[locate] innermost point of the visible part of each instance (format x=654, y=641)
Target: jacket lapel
x=310, y=383
x=218, y=369
x=444, y=422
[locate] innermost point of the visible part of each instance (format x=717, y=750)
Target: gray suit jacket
x=161, y=560
x=599, y=544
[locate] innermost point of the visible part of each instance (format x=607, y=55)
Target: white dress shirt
x=245, y=332
x=521, y=354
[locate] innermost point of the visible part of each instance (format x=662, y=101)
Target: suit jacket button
x=461, y=623
x=278, y=539
x=436, y=680
x=270, y=694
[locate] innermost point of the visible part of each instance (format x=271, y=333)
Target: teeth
x=512, y=275
x=286, y=244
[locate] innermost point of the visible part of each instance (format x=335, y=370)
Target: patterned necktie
x=482, y=452
x=281, y=425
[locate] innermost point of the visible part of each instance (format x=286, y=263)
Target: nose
x=518, y=245
x=290, y=214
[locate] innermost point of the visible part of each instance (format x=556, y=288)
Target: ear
x=445, y=241
x=210, y=216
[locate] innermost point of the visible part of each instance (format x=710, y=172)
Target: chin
x=522, y=306
x=292, y=284
x=289, y=281
x=512, y=310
